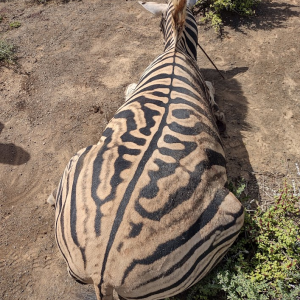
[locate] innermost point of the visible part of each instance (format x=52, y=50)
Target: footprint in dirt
x=11, y=154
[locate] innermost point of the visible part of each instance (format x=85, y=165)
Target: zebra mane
x=178, y=20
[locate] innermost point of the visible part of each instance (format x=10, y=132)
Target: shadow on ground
x=231, y=100
x=268, y=16
x=11, y=154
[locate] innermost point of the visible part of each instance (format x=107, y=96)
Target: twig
x=211, y=61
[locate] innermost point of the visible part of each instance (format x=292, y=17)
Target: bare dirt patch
x=75, y=60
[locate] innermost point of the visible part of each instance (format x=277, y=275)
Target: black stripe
x=73, y=207
x=186, y=92
x=190, y=20
x=184, y=238
x=221, y=252
x=130, y=188
x=199, y=80
x=195, y=265
x=76, y=278
x=61, y=216
x=128, y=115
x=161, y=67
x=191, y=47
x=97, y=167
x=196, y=107
x=166, y=248
x=183, y=46
x=198, y=128
x=149, y=115
x=182, y=113
x=120, y=165
x=166, y=169
x=194, y=87
x=150, y=78
x=135, y=229
x=232, y=237
x=59, y=194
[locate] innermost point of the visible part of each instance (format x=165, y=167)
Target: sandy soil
x=75, y=60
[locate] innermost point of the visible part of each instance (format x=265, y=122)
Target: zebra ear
x=191, y=3
x=155, y=8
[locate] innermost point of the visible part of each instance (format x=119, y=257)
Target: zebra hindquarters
x=180, y=262
x=227, y=224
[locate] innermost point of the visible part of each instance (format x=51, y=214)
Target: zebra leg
x=219, y=115
x=52, y=198
x=106, y=291
x=129, y=90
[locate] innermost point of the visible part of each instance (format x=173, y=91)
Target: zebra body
x=145, y=212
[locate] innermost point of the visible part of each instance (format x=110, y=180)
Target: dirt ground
x=75, y=60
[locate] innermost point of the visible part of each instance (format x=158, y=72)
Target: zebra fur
x=145, y=212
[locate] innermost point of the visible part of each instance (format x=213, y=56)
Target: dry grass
x=7, y=52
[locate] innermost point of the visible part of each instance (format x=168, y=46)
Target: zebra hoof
x=51, y=199
x=129, y=90
x=220, y=120
x=211, y=90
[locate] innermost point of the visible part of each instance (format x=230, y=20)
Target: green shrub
x=7, y=52
x=213, y=8
x=15, y=24
x=264, y=262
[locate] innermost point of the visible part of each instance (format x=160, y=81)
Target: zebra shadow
x=234, y=104
x=10, y=154
x=268, y=16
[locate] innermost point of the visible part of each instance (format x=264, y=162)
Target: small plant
x=7, y=52
x=238, y=188
x=15, y=24
x=264, y=262
x=212, y=9
x=277, y=236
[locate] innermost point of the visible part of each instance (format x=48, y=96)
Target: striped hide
x=145, y=212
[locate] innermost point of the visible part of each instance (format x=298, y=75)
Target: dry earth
x=75, y=60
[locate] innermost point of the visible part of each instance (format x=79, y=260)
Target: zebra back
x=145, y=212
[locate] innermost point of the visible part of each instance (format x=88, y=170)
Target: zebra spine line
x=145, y=212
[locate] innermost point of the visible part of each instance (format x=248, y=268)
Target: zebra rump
x=144, y=212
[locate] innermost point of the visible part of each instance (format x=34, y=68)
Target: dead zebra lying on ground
x=145, y=212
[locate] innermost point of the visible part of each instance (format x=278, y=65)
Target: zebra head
x=178, y=25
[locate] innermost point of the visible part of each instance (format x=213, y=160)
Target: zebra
x=144, y=213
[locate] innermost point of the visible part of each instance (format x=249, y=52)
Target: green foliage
x=7, y=52
x=237, y=188
x=264, y=262
x=15, y=24
x=213, y=8
x=278, y=240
